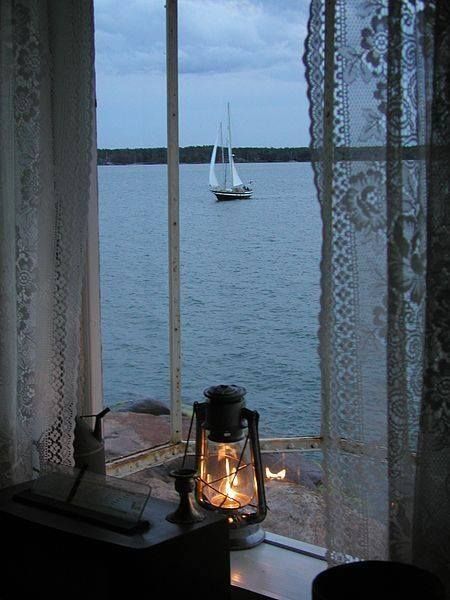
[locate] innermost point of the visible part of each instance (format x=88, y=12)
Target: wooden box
x=55, y=556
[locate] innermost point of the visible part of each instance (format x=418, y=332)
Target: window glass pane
x=250, y=293
x=130, y=78
x=250, y=267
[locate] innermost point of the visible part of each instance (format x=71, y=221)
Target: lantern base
x=246, y=537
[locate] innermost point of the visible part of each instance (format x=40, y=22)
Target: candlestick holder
x=186, y=512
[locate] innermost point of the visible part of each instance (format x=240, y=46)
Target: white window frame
x=91, y=296
x=242, y=567
x=175, y=446
x=173, y=203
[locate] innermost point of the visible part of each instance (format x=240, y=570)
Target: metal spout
x=97, y=433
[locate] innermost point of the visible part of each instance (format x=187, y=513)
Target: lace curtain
x=47, y=135
x=379, y=90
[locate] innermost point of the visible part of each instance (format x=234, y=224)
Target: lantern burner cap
x=225, y=394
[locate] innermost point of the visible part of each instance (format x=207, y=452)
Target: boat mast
x=229, y=126
x=223, y=158
x=230, y=145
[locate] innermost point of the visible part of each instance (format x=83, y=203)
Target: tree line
x=199, y=154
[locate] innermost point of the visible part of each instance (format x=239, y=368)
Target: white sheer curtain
x=378, y=74
x=47, y=129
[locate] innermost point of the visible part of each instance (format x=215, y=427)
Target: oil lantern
x=230, y=477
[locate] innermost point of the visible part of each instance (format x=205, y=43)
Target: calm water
x=250, y=289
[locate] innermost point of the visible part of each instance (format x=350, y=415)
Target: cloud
x=215, y=36
x=247, y=52
x=218, y=37
x=129, y=36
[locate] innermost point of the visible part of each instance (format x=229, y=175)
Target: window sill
x=279, y=568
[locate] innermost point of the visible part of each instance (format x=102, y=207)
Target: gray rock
x=148, y=406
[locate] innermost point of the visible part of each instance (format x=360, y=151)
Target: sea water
x=250, y=289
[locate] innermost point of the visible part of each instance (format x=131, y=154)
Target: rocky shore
x=134, y=426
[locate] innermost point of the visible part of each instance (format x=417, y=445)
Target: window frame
x=91, y=292
x=175, y=446
x=132, y=463
x=173, y=205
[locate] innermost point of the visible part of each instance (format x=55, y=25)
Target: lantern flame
x=230, y=481
x=279, y=476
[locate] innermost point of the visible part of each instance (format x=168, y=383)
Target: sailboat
x=232, y=186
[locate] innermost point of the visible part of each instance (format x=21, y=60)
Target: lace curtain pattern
x=47, y=129
x=378, y=75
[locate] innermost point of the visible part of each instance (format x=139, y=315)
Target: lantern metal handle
x=252, y=417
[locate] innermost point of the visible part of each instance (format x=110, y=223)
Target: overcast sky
x=247, y=52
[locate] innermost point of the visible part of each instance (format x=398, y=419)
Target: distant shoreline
x=199, y=155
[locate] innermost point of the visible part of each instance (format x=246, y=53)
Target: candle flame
x=230, y=481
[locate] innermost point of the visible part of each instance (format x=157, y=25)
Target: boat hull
x=224, y=195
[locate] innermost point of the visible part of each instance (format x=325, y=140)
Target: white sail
x=212, y=173
x=237, y=181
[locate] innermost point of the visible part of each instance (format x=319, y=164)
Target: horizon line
x=203, y=146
